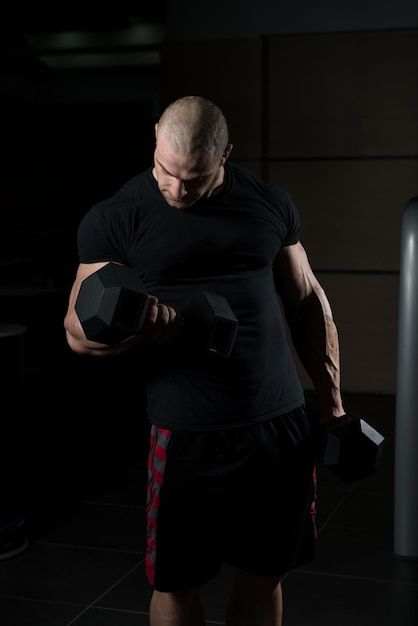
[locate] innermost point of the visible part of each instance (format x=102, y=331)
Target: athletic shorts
x=244, y=496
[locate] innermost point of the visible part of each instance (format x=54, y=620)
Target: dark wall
x=71, y=138
x=332, y=118
x=59, y=157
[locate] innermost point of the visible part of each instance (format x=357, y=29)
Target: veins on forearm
x=315, y=338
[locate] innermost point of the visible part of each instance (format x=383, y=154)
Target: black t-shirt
x=225, y=244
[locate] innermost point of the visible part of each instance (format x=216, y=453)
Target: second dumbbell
x=347, y=446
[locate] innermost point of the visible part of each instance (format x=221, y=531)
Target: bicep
x=294, y=278
x=301, y=293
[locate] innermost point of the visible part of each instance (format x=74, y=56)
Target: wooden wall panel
x=365, y=308
x=351, y=210
x=256, y=167
x=227, y=72
x=334, y=120
x=342, y=138
x=343, y=95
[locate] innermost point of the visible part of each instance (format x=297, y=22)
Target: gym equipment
x=347, y=446
x=406, y=423
x=112, y=304
x=210, y=323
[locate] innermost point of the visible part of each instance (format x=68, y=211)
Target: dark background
x=70, y=135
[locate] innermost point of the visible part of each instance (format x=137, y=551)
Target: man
x=231, y=461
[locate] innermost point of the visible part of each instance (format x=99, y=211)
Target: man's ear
x=156, y=129
x=226, y=153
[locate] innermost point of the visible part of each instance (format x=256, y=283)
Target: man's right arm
x=161, y=325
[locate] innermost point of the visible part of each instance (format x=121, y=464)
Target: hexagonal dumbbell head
x=210, y=323
x=350, y=448
x=112, y=304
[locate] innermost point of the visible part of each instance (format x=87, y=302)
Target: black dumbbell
x=347, y=446
x=112, y=304
x=209, y=323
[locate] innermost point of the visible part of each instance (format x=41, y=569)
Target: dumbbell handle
x=206, y=315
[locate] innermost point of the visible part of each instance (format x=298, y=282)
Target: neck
x=218, y=182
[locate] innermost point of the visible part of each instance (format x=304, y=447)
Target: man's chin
x=180, y=204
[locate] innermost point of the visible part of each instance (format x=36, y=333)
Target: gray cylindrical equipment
x=406, y=427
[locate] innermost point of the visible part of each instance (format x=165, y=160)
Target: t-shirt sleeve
x=96, y=237
x=293, y=222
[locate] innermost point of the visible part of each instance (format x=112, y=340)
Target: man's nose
x=178, y=189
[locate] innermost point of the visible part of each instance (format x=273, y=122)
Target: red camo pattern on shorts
x=157, y=459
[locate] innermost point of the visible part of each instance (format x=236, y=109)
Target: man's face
x=184, y=180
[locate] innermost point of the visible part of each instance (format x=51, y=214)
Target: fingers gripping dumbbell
x=112, y=304
x=348, y=446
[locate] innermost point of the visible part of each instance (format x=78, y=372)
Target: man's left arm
x=311, y=324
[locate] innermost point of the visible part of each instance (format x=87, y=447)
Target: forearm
x=315, y=338
x=161, y=325
x=76, y=337
x=314, y=334
x=78, y=342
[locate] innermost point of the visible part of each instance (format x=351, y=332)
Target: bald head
x=193, y=124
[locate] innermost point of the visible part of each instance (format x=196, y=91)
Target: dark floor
x=85, y=501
